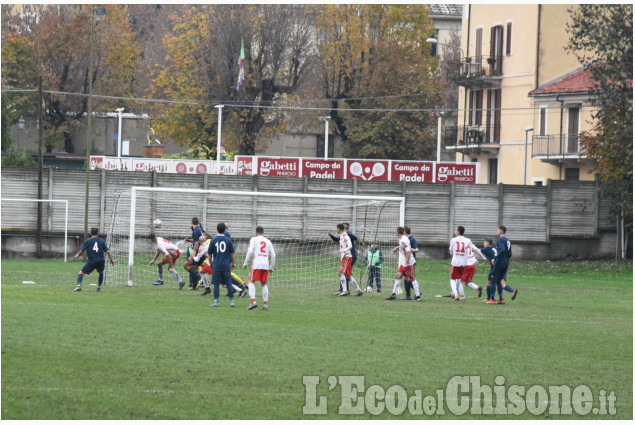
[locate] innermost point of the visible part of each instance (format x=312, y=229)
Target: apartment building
x=523, y=98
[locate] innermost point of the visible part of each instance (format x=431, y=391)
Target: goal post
x=49, y=201
x=297, y=224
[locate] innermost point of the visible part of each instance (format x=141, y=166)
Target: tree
x=202, y=65
x=375, y=56
x=53, y=41
x=603, y=34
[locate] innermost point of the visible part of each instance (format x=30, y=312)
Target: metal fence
x=531, y=213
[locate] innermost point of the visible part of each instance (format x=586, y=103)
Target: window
x=573, y=135
x=492, y=169
x=508, y=46
x=542, y=128
x=433, y=48
x=478, y=47
x=495, y=60
x=538, y=181
x=475, y=116
x=572, y=174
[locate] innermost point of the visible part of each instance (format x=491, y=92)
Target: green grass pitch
x=158, y=353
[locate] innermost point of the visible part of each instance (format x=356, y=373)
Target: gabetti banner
x=360, y=169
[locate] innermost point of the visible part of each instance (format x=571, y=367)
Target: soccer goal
x=296, y=223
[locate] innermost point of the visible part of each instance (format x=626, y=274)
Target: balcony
x=477, y=72
x=472, y=139
x=558, y=148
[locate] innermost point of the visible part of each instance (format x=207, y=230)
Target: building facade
x=510, y=51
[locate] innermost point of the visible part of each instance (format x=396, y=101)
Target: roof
x=578, y=81
x=446, y=9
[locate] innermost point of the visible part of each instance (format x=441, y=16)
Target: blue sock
x=499, y=287
x=489, y=292
x=508, y=288
x=80, y=277
x=101, y=279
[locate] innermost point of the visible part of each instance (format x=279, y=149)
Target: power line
x=234, y=104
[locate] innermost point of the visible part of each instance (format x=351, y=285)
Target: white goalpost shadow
x=63, y=201
x=317, y=201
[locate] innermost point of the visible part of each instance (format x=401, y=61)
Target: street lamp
x=119, y=138
x=218, y=145
x=435, y=41
x=326, y=135
x=21, y=122
x=97, y=12
x=439, y=116
x=527, y=130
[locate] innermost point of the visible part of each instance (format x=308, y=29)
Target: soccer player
x=197, y=259
x=171, y=253
x=353, y=239
x=501, y=263
x=234, y=280
x=470, y=270
x=221, y=249
x=95, y=247
x=374, y=259
x=490, y=252
x=346, y=264
x=264, y=258
x=414, y=248
x=192, y=269
x=459, y=248
x=407, y=265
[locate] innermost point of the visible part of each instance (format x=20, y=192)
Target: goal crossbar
x=135, y=189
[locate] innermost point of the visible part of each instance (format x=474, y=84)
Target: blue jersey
x=221, y=247
x=413, y=245
x=489, y=252
x=95, y=248
x=353, y=240
x=228, y=235
x=197, y=232
x=504, y=249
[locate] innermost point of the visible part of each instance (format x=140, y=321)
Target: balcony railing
x=471, y=136
x=476, y=67
x=556, y=145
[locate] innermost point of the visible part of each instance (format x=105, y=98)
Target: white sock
x=343, y=283
x=236, y=288
x=472, y=285
x=397, y=286
x=205, y=281
x=453, y=287
x=460, y=285
x=176, y=276
x=252, y=292
x=355, y=284
x=415, y=286
x=265, y=294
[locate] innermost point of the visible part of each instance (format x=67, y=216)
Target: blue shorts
x=219, y=277
x=90, y=266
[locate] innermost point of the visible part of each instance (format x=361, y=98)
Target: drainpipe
x=537, y=80
x=561, y=122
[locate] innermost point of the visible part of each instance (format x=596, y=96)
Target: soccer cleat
x=265, y=307
x=514, y=294
x=491, y=302
x=343, y=294
x=360, y=293
x=462, y=298
x=77, y=289
x=479, y=291
x=192, y=288
x=216, y=304
x=378, y=291
x=99, y=289
x=206, y=291
x=406, y=299
x=243, y=293
x=158, y=282
x=200, y=282
x=501, y=301
x=231, y=304
x=181, y=284
x=252, y=306
x=338, y=293
x=417, y=298
x=392, y=296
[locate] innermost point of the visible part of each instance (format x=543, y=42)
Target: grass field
x=159, y=353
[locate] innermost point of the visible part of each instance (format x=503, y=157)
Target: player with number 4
x=95, y=247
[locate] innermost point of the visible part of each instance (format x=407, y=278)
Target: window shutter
x=497, y=117
x=508, y=46
x=479, y=107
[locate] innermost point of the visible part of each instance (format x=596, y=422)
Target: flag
x=241, y=66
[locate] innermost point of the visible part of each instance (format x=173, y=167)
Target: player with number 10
x=221, y=249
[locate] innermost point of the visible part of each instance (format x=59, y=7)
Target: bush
x=17, y=158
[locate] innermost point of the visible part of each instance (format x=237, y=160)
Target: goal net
x=297, y=224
